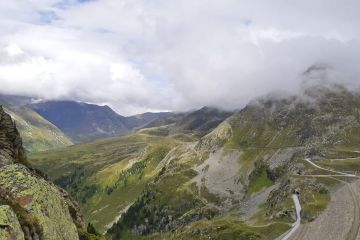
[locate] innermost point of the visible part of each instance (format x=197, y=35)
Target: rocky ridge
x=31, y=207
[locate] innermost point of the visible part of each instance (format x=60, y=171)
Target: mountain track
x=296, y=225
x=329, y=170
x=355, y=226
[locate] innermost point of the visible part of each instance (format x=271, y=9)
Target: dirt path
x=329, y=170
x=354, y=230
x=296, y=225
x=345, y=205
x=332, y=224
x=353, y=233
x=355, y=226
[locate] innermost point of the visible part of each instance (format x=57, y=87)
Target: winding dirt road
x=302, y=230
x=342, y=174
x=355, y=225
x=295, y=225
x=354, y=230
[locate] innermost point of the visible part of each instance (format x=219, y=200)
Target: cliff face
x=31, y=207
x=11, y=149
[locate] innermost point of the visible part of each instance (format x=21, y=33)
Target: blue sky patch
x=47, y=16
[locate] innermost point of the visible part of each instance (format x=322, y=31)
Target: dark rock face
x=200, y=122
x=140, y=120
x=11, y=149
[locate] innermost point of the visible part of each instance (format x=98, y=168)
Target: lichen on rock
x=10, y=228
x=31, y=207
x=41, y=200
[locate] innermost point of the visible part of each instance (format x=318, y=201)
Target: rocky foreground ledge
x=31, y=207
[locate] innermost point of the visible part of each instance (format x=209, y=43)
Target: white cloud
x=139, y=55
x=14, y=50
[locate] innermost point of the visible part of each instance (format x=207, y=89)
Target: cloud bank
x=140, y=55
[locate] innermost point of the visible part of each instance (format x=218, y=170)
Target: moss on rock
x=10, y=228
x=41, y=200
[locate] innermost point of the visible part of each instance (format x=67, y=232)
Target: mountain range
x=83, y=122
x=212, y=174
x=52, y=124
x=48, y=125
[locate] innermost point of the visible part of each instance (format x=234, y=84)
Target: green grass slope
x=105, y=176
x=37, y=133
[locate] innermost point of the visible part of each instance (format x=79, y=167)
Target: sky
x=173, y=55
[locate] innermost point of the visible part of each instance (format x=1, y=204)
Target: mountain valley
x=48, y=125
x=179, y=120
x=233, y=181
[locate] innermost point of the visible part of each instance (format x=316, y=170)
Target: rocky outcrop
x=216, y=138
x=40, y=201
x=31, y=207
x=11, y=149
